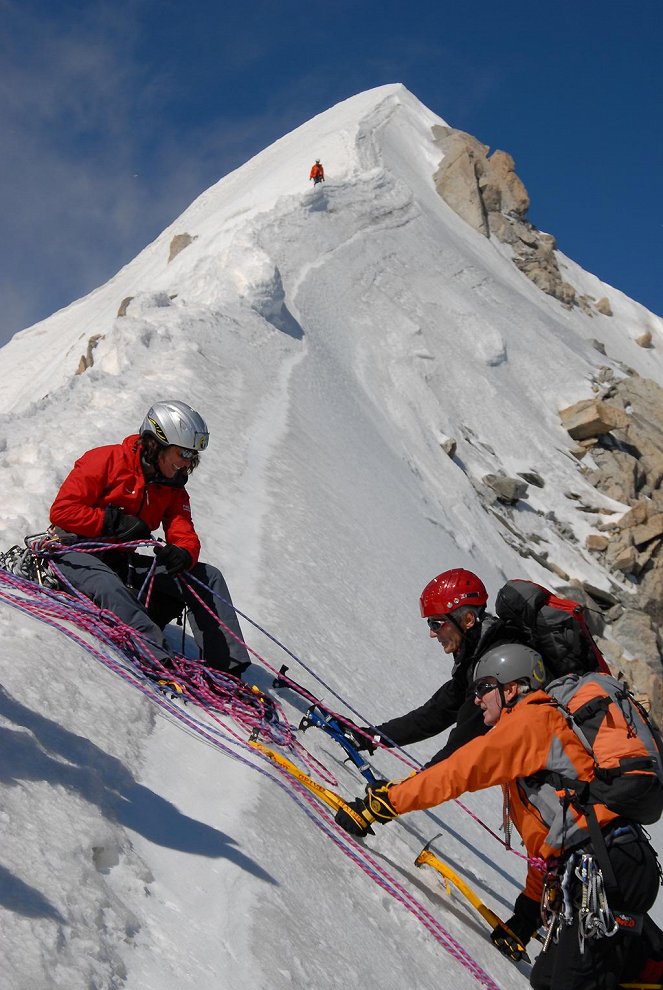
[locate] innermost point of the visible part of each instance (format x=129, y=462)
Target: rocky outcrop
x=507, y=490
x=595, y=541
x=178, y=243
x=487, y=193
x=620, y=431
x=501, y=189
x=458, y=177
x=87, y=359
x=535, y=258
x=617, y=472
x=624, y=460
x=448, y=444
x=592, y=418
x=124, y=306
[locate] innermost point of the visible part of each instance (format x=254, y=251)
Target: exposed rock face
x=603, y=306
x=486, y=192
x=507, y=489
x=644, y=340
x=87, y=359
x=592, y=418
x=627, y=464
x=634, y=632
x=618, y=474
x=623, y=449
x=539, y=263
x=650, y=530
x=124, y=305
x=448, y=444
x=501, y=189
x=178, y=243
x=532, y=478
x=457, y=179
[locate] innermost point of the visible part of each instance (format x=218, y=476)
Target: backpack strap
x=596, y=836
x=601, y=851
x=646, y=764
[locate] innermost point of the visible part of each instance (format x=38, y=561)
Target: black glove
x=375, y=807
x=122, y=526
x=175, y=559
x=362, y=737
x=347, y=821
x=512, y=937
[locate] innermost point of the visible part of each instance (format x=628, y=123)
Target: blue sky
x=115, y=116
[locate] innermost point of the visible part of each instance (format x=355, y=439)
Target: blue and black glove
x=175, y=559
x=122, y=526
x=374, y=808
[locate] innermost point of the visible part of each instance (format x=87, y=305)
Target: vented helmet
x=512, y=662
x=173, y=422
x=450, y=590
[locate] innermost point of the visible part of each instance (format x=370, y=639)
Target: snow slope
x=330, y=336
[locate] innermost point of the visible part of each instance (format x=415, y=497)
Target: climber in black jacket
x=454, y=606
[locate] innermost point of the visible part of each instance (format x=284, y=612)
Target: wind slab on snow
x=330, y=337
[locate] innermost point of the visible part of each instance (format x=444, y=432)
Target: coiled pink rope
x=56, y=610
x=49, y=548
x=413, y=765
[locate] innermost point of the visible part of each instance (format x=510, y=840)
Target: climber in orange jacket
x=120, y=494
x=529, y=739
x=317, y=172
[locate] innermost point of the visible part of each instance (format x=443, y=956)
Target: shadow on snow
x=104, y=781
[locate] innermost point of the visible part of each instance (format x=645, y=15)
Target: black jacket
x=453, y=701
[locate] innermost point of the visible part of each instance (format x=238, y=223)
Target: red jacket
x=317, y=170
x=113, y=475
x=531, y=736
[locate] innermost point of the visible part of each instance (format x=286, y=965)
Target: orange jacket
x=113, y=475
x=529, y=737
x=317, y=171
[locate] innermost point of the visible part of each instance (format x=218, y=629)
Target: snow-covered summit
x=379, y=156
x=343, y=136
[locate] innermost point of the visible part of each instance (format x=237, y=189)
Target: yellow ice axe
x=428, y=858
x=330, y=798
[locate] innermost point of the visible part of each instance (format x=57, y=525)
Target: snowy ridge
x=330, y=336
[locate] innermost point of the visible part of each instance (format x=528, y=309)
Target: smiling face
x=170, y=461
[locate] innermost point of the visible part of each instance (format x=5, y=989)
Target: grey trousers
x=113, y=580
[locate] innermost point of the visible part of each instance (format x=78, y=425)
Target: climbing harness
x=577, y=892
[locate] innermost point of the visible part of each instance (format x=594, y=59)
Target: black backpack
x=554, y=627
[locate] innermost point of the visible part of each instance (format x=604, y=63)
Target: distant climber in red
x=317, y=172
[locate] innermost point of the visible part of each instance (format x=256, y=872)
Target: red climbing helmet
x=451, y=589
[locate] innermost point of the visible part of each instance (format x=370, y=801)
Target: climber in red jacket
x=123, y=492
x=317, y=172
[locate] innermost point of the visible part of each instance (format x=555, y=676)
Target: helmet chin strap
x=454, y=622
x=464, y=630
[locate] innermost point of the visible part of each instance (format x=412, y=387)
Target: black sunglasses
x=436, y=624
x=483, y=687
